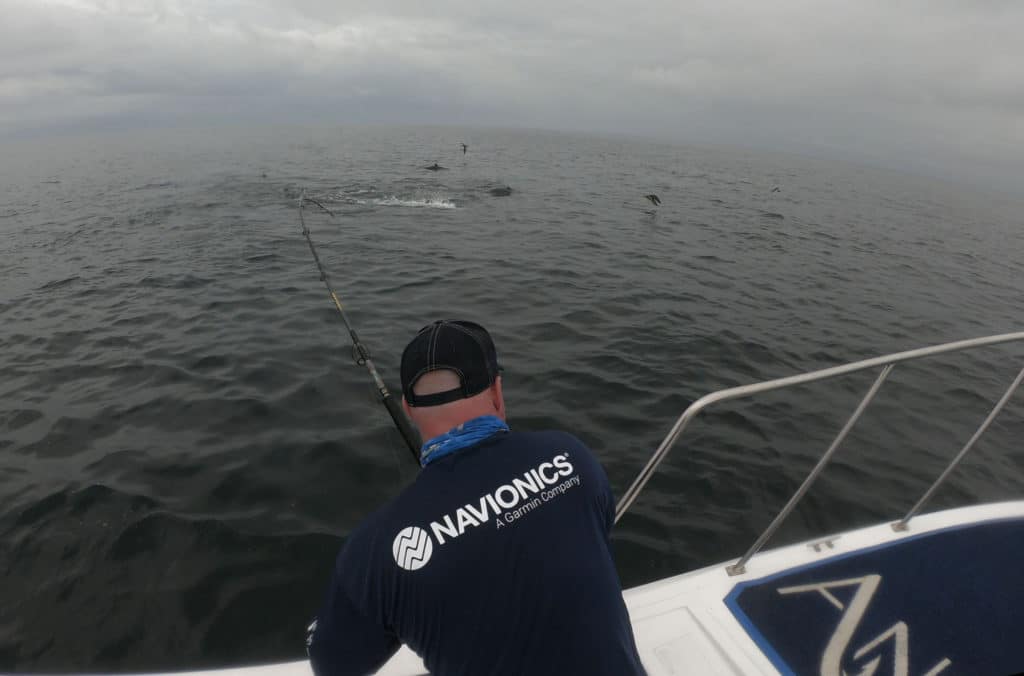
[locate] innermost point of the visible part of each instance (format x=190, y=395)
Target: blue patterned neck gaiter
x=465, y=435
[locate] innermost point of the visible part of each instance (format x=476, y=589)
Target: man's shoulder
x=366, y=530
x=432, y=490
x=553, y=440
x=367, y=535
x=548, y=438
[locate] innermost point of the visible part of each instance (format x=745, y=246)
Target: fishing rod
x=359, y=352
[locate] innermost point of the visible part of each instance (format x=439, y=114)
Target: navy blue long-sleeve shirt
x=496, y=560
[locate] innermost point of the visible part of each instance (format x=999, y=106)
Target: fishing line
x=360, y=355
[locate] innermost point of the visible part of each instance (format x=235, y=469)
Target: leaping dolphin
x=464, y=148
x=654, y=199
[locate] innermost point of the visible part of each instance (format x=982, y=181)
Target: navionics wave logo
x=413, y=546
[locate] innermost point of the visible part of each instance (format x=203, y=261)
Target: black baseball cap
x=449, y=344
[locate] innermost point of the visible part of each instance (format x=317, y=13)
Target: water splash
x=431, y=201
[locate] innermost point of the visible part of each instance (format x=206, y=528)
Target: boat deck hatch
x=681, y=644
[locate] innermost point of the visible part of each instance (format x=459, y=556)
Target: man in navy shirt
x=497, y=559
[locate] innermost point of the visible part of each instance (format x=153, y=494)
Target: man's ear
x=498, y=398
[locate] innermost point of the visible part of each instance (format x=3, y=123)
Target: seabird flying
x=655, y=200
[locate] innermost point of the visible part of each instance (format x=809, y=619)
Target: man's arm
x=602, y=492
x=343, y=640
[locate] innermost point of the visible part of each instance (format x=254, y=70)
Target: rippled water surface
x=185, y=441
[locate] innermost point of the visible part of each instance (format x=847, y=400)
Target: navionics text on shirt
x=413, y=546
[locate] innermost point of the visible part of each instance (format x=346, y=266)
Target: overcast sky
x=930, y=85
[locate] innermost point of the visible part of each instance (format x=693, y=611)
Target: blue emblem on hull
x=942, y=603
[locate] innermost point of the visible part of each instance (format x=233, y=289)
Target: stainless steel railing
x=887, y=363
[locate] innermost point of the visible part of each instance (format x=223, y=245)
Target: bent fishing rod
x=359, y=352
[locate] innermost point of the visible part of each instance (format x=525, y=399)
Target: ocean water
x=185, y=440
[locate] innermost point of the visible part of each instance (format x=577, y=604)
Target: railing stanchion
x=902, y=523
x=739, y=567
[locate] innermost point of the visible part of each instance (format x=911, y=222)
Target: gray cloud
x=933, y=85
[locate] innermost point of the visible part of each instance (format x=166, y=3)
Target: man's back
x=495, y=561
